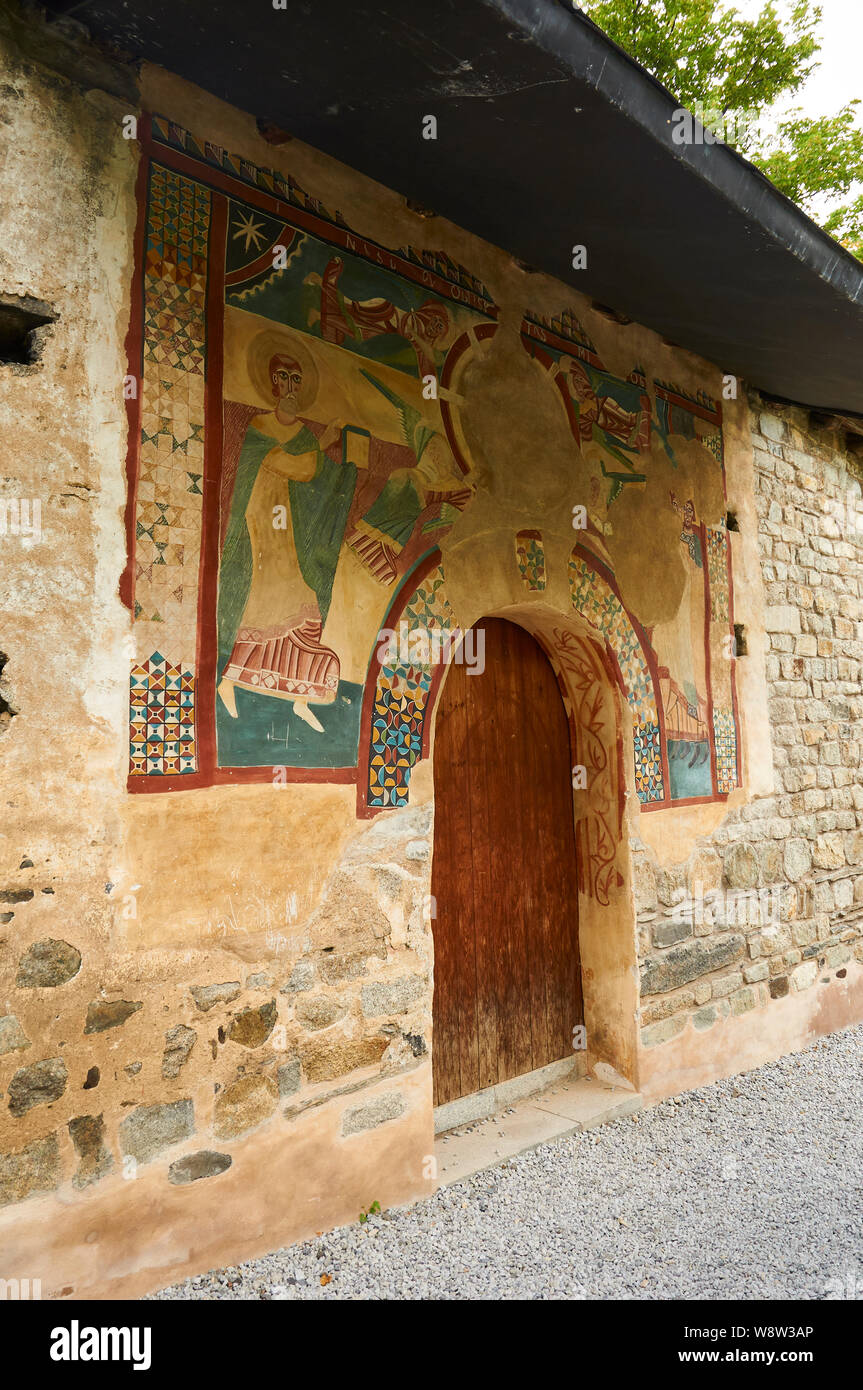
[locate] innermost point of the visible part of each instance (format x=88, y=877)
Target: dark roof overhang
x=548, y=136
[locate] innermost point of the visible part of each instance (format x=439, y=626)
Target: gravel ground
x=750, y=1188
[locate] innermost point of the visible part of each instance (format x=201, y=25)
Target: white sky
x=839, y=79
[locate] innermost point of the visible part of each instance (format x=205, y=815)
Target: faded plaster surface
x=242, y=976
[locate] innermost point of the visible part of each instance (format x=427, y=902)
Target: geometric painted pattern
x=648, y=763
x=725, y=740
x=598, y=604
x=530, y=557
x=401, y=699
x=169, y=494
x=162, y=732
x=717, y=570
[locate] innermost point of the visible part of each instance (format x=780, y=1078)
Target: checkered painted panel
x=162, y=730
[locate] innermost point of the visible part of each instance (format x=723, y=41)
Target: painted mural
x=328, y=477
x=298, y=457
x=653, y=469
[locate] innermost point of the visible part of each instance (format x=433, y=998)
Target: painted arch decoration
x=595, y=600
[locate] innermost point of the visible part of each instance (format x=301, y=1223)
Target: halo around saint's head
x=279, y=342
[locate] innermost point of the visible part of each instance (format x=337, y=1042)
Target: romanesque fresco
x=328, y=478
x=300, y=451
x=671, y=636
x=336, y=479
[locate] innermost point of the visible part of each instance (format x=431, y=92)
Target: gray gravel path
x=750, y=1188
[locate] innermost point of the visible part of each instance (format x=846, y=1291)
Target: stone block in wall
x=655, y=1010
x=349, y=915
x=12, y=1035
x=149, y=1129
x=704, y=870
x=668, y=933
x=377, y=1112
x=771, y=864
x=326, y=1060
x=741, y=867
x=316, y=1011
x=671, y=885
x=35, y=1168
x=203, y=1164
x=804, y=975
x=403, y=1051
x=727, y=984
x=681, y=964
x=39, y=1084
x=837, y=955
x=301, y=978
x=290, y=1077
x=656, y=1033
x=782, y=618
x=706, y=1017
x=243, y=1105
x=797, y=859
x=179, y=1042
x=337, y=967
x=207, y=997
x=87, y=1133
x=758, y=970
x=251, y=1027
x=392, y=996
x=744, y=1000
x=829, y=852
x=772, y=427
x=102, y=1015
x=47, y=964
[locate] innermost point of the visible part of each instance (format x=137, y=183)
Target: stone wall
x=771, y=904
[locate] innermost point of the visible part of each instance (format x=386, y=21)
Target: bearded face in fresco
x=579, y=384
x=286, y=377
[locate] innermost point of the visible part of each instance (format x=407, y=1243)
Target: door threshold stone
x=480, y=1104
x=565, y=1107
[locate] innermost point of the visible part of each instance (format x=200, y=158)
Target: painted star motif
x=251, y=231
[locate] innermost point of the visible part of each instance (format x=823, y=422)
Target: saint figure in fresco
x=301, y=488
x=280, y=576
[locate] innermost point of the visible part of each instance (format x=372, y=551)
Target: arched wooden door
x=507, y=979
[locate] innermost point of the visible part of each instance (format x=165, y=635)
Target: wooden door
x=507, y=980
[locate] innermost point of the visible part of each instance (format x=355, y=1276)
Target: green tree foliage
x=734, y=71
